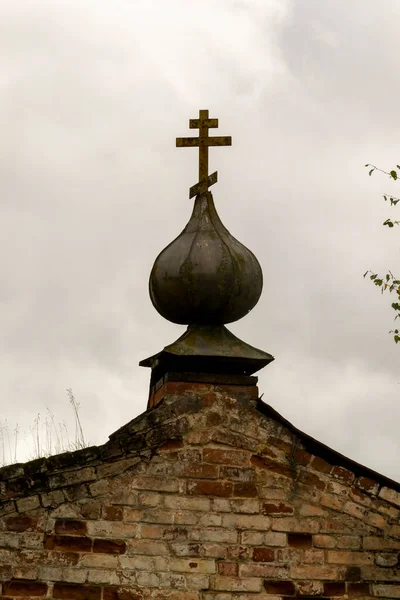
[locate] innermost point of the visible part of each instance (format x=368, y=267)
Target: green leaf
x=393, y=175
x=371, y=171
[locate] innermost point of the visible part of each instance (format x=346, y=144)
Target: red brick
x=368, y=485
x=230, y=569
x=244, y=490
x=343, y=474
x=263, y=554
x=300, y=540
x=312, y=480
x=302, y=457
x=243, y=474
x=20, y=523
x=109, y=546
x=280, y=444
x=226, y=457
x=70, y=526
x=213, y=418
x=112, y=513
x=198, y=470
x=279, y=587
x=321, y=465
x=24, y=588
x=68, y=543
x=261, y=462
x=171, y=445
x=70, y=591
x=278, y=508
x=121, y=593
x=357, y=590
x=334, y=588
x=239, y=552
x=353, y=574
x=210, y=488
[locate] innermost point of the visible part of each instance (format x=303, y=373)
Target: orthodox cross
x=203, y=123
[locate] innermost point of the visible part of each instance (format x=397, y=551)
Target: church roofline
x=132, y=440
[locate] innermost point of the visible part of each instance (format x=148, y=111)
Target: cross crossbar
x=203, y=142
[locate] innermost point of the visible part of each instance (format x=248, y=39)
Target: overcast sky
x=93, y=95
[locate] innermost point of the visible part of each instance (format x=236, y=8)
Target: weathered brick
x=291, y=524
x=191, y=565
x=20, y=523
x=228, y=569
x=375, y=520
x=263, y=554
x=26, y=504
x=147, y=547
x=124, y=593
x=350, y=542
x=312, y=479
x=90, y=509
x=65, y=591
x=332, y=501
x=309, y=589
x=236, y=584
x=226, y=457
x=320, y=464
x=343, y=557
x=210, y=488
x=390, y=496
x=109, y=546
x=68, y=543
x=324, y=541
x=181, y=502
x=263, y=570
x=245, y=506
x=198, y=470
x=24, y=588
x=112, y=513
x=336, y=588
x=386, y=591
x=255, y=538
x=343, y=474
x=214, y=535
x=246, y=521
x=25, y=572
x=238, y=552
x=315, y=572
x=387, y=559
x=156, y=484
x=271, y=538
x=277, y=508
x=5, y=572
x=358, y=590
x=244, y=490
x=70, y=526
x=72, y=477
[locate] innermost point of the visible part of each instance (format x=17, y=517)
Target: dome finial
x=203, y=124
x=205, y=278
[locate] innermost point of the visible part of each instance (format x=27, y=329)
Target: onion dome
x=205, y=276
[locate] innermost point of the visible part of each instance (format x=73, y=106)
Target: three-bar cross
x=203, y=123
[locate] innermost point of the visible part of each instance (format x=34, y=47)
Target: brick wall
x=208, y=496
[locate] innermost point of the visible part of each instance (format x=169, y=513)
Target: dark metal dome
x=205, y=276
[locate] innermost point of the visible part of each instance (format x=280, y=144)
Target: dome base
x=207, y=350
